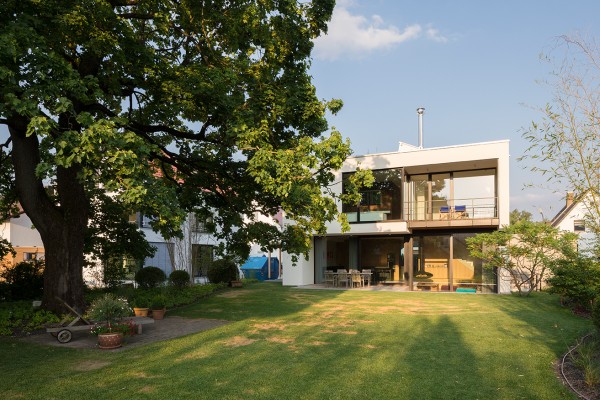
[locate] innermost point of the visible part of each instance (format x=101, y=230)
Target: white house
x=574, y=217
x=25, y=239
x=415, y=218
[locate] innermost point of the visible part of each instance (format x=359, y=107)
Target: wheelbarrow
x=64, y=332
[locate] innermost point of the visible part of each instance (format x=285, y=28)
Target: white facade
x=24, y=238
x=416, y=210
x=573, y=218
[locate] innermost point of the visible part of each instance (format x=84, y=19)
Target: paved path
x=168, y=328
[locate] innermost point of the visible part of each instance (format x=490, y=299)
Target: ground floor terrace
x=426, y=261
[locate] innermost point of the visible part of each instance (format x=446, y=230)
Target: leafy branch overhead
x=174, y=106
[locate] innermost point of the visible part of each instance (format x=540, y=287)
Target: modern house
x=411, y=225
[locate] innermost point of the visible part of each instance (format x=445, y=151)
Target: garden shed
x=258, y=268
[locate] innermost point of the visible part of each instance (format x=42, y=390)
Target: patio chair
x=356, y=279
x=366, y=278
x=342, y=277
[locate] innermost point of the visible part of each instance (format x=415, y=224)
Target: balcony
x=453, y=212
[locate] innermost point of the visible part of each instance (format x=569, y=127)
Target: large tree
x=565, y=142
x=174, y=106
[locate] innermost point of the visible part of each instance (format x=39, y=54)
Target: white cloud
x=435, y=35
x=355, y=35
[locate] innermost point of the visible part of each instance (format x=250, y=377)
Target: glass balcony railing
x=452, y=209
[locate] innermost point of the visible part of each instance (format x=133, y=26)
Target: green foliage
x=5, y=247
x=20, y=317
x=565, y=140
x=596, y=314
x=577, y=280
x=587, y=360
x=108, y=309
x=158, y=302
x=24, y=280
x=179, y=278
x=206, y=107
x=223, y=271
x=518, y=216
x=525, y=250
x=112, y=239
x=150, y=277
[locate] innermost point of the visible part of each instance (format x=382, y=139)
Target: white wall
x=20, y=232
x=303, y=273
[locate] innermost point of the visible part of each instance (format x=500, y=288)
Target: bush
x=223, y=271
x=18, y=318
x=24, y=281
x=596, y=313
x=150, y=277
x=179, y=278
x=109, y=308
x=576, y=280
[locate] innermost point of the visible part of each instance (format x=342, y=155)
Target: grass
x=288, y=343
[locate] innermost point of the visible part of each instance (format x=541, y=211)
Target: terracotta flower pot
x=141, y=312
x=159, y=314
x=111, y=340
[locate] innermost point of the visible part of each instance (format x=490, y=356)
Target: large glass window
x=430, y=262
x=453, y=195
x=420, y=196
x=476, y=191
x=380, y=202
x=467, y=271
x=440, y=195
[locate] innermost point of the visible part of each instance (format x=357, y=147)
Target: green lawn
x=286, y=343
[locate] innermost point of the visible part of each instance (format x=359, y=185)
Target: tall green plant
x=576, y=279
x=524, y=250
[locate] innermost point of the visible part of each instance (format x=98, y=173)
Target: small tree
x=516, y=216
x=565, y=142
x=525, y=250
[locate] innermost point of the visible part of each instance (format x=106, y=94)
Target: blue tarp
x=258, y=268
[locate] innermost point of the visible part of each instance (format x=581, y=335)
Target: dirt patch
x=234, y=293
x=318, y=343
x=270, y=326
x=194, y=355
x=368, y=346
x=238, y=341
x=90, y=365
x=340, y=332
x=279, y=339
x=147, y=389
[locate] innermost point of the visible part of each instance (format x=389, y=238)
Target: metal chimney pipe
x=420, y=111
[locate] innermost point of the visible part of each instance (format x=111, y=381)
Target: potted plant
x=159, y=303
x=107, y=311
x=141, y=306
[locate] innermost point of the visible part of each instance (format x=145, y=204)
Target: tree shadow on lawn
x=544, y=319
x=257, y=300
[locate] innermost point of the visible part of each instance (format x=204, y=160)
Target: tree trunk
x=61, y=226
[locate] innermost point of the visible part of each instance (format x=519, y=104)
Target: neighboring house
x=574, y=217
x=192, y=253
x=25, y=239
x=416, y=218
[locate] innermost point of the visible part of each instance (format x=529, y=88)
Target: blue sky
x=474, y=65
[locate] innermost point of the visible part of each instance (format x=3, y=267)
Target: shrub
x=24, y=281
x=576, y=280
x=179, y=278
x=109, y=308
x=223, y=271
x=159, y=302
x=596, y=313
x=150, y=277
